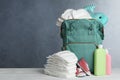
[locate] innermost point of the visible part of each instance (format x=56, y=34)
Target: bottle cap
x=106, y=50
x=100, y=46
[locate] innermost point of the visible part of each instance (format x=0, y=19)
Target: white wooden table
x=37, y=74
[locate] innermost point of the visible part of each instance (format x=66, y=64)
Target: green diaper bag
x=81, y=36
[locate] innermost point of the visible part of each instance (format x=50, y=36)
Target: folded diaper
x=61, y=64
x=73, y=14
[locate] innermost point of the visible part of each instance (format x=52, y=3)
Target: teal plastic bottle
x=100, y=61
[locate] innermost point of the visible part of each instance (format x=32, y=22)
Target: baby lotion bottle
x=108, y=63
x=100, y=61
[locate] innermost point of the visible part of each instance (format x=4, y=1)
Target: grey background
x=28, y=32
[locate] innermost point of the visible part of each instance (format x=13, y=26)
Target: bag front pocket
x=83, y=50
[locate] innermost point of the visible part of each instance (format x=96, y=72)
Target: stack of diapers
x=73, y=14
x=61, y=64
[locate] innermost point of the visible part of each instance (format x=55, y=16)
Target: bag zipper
x=64, y=47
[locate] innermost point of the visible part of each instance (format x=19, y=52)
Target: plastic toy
x=96, y=15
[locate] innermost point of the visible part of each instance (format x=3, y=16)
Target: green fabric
x=81, y=36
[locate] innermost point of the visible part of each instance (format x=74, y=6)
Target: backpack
x=82, y=36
